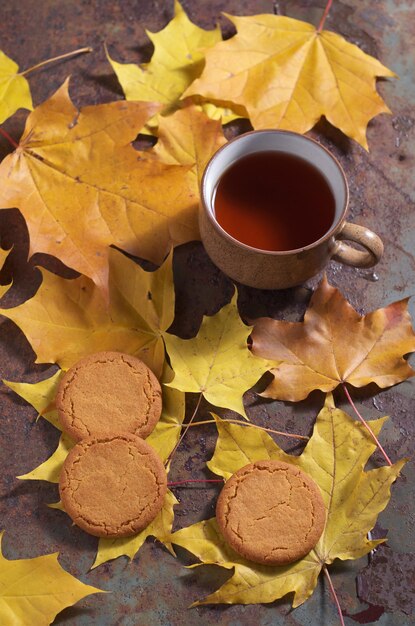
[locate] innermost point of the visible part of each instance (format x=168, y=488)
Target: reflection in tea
x=274, y=201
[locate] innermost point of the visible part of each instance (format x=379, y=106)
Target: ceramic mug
x=281, y=269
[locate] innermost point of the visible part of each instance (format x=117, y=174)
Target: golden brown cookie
x=271, y=512
x=112, y=486
x=108, y=392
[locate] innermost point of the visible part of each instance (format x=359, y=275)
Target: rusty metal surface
x=155, y=589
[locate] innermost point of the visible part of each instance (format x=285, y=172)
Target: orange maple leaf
x=81, y=186
x=335, y=345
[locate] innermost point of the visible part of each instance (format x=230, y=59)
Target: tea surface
x=274, y=201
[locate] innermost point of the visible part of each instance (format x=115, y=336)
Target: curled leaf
x=335, y=345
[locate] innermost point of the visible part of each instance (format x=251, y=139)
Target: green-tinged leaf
x=217, y=362
x=205, y=541
x=160, y=528
x=14, y=89
x=250, y=582
x=57, y=505
x=34, y=591
x=334, y=458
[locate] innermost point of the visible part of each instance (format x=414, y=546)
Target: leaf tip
x=95, y=564
x=194, y=604
x=107, y=54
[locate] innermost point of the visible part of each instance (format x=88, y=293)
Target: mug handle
x=363, y=236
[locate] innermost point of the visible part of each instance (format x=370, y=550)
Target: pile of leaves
x=84, y=191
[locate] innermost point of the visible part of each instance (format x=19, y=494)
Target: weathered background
x=155, y=589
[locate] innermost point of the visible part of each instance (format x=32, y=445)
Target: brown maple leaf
x=335, y=345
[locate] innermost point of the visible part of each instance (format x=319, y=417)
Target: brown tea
x=274, y=201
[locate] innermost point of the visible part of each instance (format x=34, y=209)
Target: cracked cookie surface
x=112, y=486
x=271, y=512
x=108, y=392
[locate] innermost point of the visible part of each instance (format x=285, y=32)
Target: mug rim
x=331, y=232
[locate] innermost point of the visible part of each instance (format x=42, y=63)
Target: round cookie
x=108, y=392
x=271, y=512
x=112, y=486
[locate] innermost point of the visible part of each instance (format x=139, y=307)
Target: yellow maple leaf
x=40, y=395
x=81, y=186
x=14, y=89
x=56, y=505
x=159, y=528
x=188, y=137
x=50, y=469
x=334, y=457
x=69, y=319
x=177, y=60
x=286, y=74
x=217, y=362
x=34, y=591
x=167, y=431
x=163, y=439
x=335, y=345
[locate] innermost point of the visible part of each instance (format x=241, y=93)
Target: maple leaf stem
x=169, y=458
x=249, y=424
x=196, y=480
x=9, y=139
x=333, y=593
x=58, y=58
x=365, y=424
x=324, y=16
